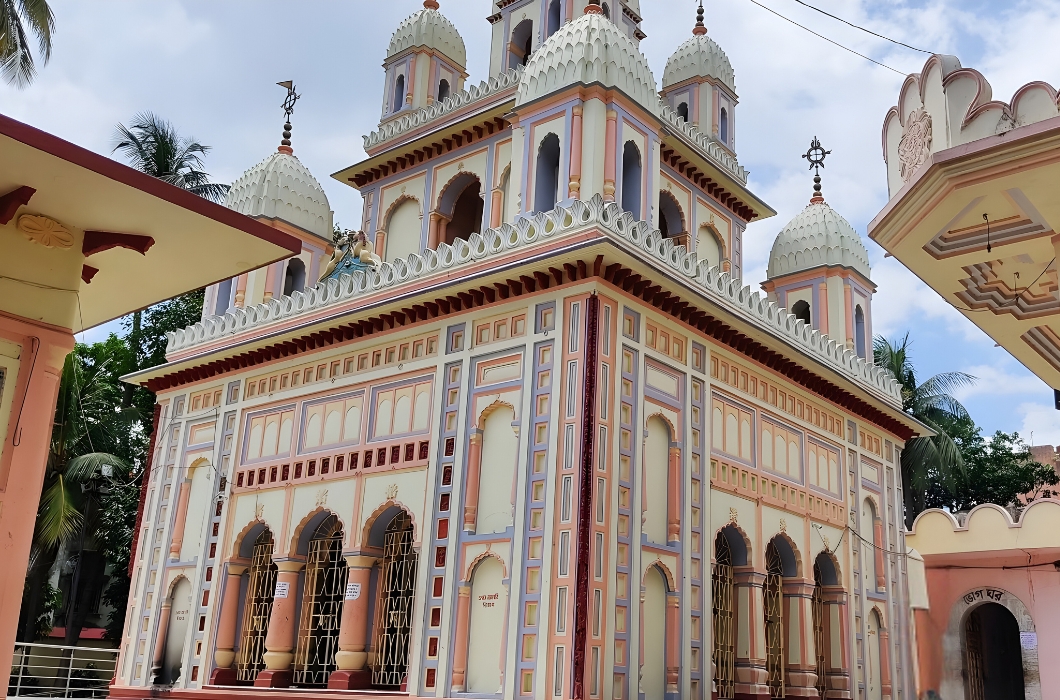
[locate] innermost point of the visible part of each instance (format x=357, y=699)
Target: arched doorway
x=653, y=616
x=257, y=607
x=780, y=564
x=460, y=207
x=824, y=574
x=993, y=659
x=873, y=664
x=176, y=633
x=397, y=588
x=322, y=595
x=724, y=652
x=671, y=220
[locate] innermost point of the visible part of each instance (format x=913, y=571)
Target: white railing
x=47, y=671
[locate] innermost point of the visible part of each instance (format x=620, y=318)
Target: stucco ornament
x=44, y=231
x=352, y=252
x=392, y=492
x=915, y=145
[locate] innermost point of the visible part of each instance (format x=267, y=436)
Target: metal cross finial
x=816, y=155
x=288, y=109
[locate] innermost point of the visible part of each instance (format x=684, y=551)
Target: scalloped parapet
x=509, y=79
x=706, y=143
x=987, y=528
x=638, y=236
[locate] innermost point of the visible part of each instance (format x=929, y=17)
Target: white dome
x=699, y=57
x=431, y=29
x=280, y=187
x=817, y=236
x=591, y=49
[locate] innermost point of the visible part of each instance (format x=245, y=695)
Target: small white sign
x=283, y=589
x=1029, y=640
x=353, y=591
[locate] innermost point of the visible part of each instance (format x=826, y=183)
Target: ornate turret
x=425, y=62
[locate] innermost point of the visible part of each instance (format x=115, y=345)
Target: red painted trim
x=98, y=241
x=10, y=202
x=585, y=499
x=144, y=481
x=113, y=170
x=87, y=273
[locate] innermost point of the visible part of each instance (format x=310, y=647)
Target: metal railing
x=47, y=671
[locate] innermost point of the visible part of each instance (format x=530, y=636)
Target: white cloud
x=992, y=380
x=1041, y=424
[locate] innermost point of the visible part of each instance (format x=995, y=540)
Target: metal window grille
x=819, y=637
x=774, y=598
x=323, y=592
x=724, y=650
x=256, y=610
x=398, y=578
x=973, y=658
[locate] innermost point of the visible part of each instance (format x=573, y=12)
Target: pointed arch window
x=555, y=14
x=294, y=277
x=546, y=190
x=399, y=93
x=723, y=126
x=859, y=331
x=632, y=177
x=443, y=89
x=682, y=111
x=801, y=311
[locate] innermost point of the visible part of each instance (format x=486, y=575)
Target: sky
x=211, y=68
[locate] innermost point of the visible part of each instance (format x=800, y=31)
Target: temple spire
x=593, y=8
x=700, y=28
x=430, y=4
x=816, y=155
x=288, y=109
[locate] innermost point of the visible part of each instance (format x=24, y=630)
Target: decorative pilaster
x=463, y=620
x=800, y=656
x=837, y=650
x=225, y=654
x=160, y=637
x=877, y=541
x=885, y=663
x=575, y=187
x=270, y=280
x=610, y=157
x=751, y=674
x=280, y=641
x=673, y=642
x=496, y=205
x=183, y=496
x=474, y=473
x=822, y=315
x=241, y=290
x=848, y=306
x=352, y=657
x=380, y=243
x=432, y=230
x=673, y=500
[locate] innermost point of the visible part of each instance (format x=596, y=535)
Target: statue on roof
x=353, y=251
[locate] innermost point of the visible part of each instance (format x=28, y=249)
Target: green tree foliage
x=999, y=470
x=22, y=21
x=925, y=460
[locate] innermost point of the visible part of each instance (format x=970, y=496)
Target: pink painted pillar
x=183, y=496
x=463, y=620
x=610, y=161
x=673, y=500
x=496, y=206
x=800, y=663
x=412, y=80
x=838, y=653
x=32, y=384
x=443, y=227
x=380, y=243
x=885, y=662
x=848, y=303
x=225, y=654
x=160, y=636
x=822, y=316
x=881, y=568
x=279, y=642
x=673, y=642
x=575, y=186
x=241, y=290
x=352, y=658
x=751, y=675
x=474, y=471
x=270, y=280
x=432, y=230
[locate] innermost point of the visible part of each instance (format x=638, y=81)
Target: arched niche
x=294, y=276
x=403, y=228
x=671, y=218
x=656, y=478
x=859, y=332
x=487, y=627
x=522, y=44
x=801, y=311
x=461, y=204
x=500, y=446
x=177, y=623
x=709, y=246
x=443, y=89
x=200, y=480
x=399, y=94
x=874, y=656
x=632, y=179
x=546, y=178
x=653, y=635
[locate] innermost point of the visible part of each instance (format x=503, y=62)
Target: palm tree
x=931, y=402
x=74, y=478
x=21, y=20
x=153, y=146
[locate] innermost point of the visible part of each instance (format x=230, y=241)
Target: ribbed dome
x=591, y=49
x=817, y=236
x=699, y=57
x=431, y=29
x=280, y=187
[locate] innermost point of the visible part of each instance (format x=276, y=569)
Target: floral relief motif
x=915, y=145
x=47, y=232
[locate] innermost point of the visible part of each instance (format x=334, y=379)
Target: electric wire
x=867, y=31
x=822, y=36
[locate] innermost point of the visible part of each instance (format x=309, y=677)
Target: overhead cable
x=867, y=31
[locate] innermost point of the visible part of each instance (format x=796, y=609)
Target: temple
x=527, y=433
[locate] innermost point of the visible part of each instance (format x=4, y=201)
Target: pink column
x=279, y=642
x=751, y=672
x=241, y=290
x=443, y=227
x=351, y=658
x=225, y=653
x=270, y=280
x=885, y=663
x=848, y=302
x=463, y=620
x=610, y=162
x=432, y=230
x=801, y=673
x=412, y=80
x=881, y=568
x=183, y=495
x=673, y=643
x=575, y=187
x=673, y=500
x=496, y=206
x=838, y=653
x=822, y=316
x=160, y=636
x=380, y=243
x=474, y=468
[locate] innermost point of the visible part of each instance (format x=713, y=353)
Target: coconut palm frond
x=18, y=20
x=81, y=469
x=59, y=517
